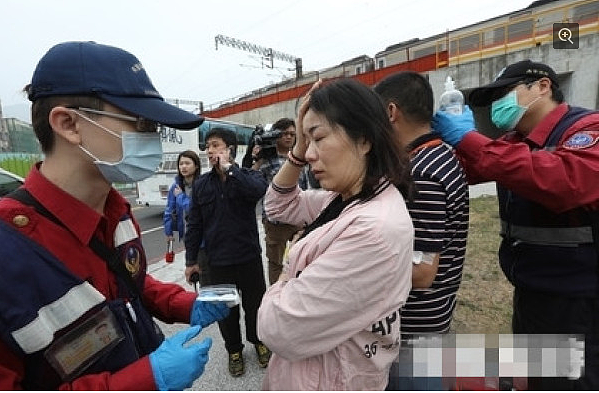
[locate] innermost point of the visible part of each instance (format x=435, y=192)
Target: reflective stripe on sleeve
x=52, y=317
x=125, y=231
x=562, y=236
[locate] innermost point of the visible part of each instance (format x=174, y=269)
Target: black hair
x=361, y=112
x=226, y=135
x=411, y=93
x=196, y=160
x=283, y=124
x=556, y=94
x=40, y=113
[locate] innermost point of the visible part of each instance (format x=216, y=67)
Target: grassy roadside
x=484, y=301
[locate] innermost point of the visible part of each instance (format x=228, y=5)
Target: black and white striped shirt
x=439, y=214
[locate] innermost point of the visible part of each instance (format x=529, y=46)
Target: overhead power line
x=177, y=101
x=268, y=53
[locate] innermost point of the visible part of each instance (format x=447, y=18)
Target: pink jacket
x=335, y=326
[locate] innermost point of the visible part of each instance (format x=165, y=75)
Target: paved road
x=216, y=375
x=150, y=222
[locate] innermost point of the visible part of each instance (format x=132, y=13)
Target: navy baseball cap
x=522, y=71
x=113, y=74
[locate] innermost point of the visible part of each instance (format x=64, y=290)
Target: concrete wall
x=578, y=70
x=267, y=114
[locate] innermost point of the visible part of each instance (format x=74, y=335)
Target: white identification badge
x=79, y=348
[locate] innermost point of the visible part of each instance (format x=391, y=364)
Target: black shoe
x=236, y=365
x=263, y=354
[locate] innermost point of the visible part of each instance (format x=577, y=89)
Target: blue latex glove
x=174, y=366
x=204, y=313
x=451, y=127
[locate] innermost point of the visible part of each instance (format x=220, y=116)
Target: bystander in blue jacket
x=179, y=194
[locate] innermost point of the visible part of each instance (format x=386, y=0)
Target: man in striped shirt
x=439, y=213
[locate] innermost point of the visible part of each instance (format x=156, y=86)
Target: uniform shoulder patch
x=581, y=140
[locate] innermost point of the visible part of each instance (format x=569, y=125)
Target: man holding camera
x=269, y=159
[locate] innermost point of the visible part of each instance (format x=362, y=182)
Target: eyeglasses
x=141, y=124
x=500, y=93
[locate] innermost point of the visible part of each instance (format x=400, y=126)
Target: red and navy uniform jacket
x=548, y=199
x=52, y=281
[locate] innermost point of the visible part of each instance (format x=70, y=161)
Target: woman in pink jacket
x=332, y=318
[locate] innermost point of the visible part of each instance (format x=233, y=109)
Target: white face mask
x=142, y=153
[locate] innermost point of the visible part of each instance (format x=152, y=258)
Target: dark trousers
x=249, y=279
x=549, y=313
x=276, y=237
x=204, y=268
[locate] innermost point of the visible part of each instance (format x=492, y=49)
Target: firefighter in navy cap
x=73, y=264
x=546, y=166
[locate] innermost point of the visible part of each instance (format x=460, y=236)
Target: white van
x=153, y=191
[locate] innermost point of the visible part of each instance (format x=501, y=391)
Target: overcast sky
x=174, y=39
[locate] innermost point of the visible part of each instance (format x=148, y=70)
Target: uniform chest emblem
x=582, y=140
x=132, y=259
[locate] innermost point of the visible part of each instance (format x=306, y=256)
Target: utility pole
x=268, y=53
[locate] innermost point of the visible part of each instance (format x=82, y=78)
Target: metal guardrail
x=19, y=163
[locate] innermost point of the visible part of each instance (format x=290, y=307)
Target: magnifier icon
x=564, y=34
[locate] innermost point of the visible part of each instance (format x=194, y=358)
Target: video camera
x=267, y=140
